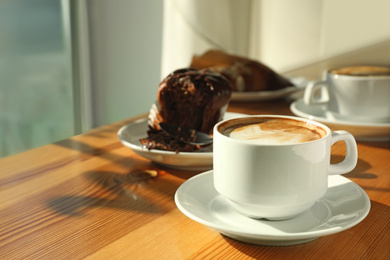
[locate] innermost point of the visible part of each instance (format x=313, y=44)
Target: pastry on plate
x=244, y=74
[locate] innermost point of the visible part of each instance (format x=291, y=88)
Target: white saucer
x=343, y=206
x=130, y=134
x=361, y=131
x=299, y=85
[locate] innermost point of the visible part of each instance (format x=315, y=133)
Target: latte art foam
x=275, y=132
x=363, y=71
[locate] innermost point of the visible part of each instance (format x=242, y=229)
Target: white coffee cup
x=358, y=94
x=276, y=180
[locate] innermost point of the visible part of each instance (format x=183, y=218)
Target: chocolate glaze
x=192, y=99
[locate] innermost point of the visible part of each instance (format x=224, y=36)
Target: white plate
x=299, y=85
x=361, y=131
x=344, y=205
x=200, y=160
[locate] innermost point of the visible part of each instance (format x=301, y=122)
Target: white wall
x=193, y=26
x=285, y=35
x=130, y=52
x=297, y=33
x=125, y=39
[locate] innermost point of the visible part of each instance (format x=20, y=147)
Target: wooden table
x=90, y=197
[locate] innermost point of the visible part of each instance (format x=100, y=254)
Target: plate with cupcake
x=188, y=98
x=202, y=159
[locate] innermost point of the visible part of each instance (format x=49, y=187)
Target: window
x=36, y=104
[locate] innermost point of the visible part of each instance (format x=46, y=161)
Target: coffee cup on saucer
x=356, y=93
x=276, y=167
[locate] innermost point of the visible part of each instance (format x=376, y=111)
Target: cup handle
x=311, y=88
x=351, y=157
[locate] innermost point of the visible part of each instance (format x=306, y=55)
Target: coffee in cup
x=275, y=131
x=363, y=71
x=276, y=167
x=356, y=93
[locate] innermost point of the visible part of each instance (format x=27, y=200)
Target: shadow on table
x=134, y=191
x=360, y=171
x=88, y=150
x=384, y=144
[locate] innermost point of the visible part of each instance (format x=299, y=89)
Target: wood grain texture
x=90, y=197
